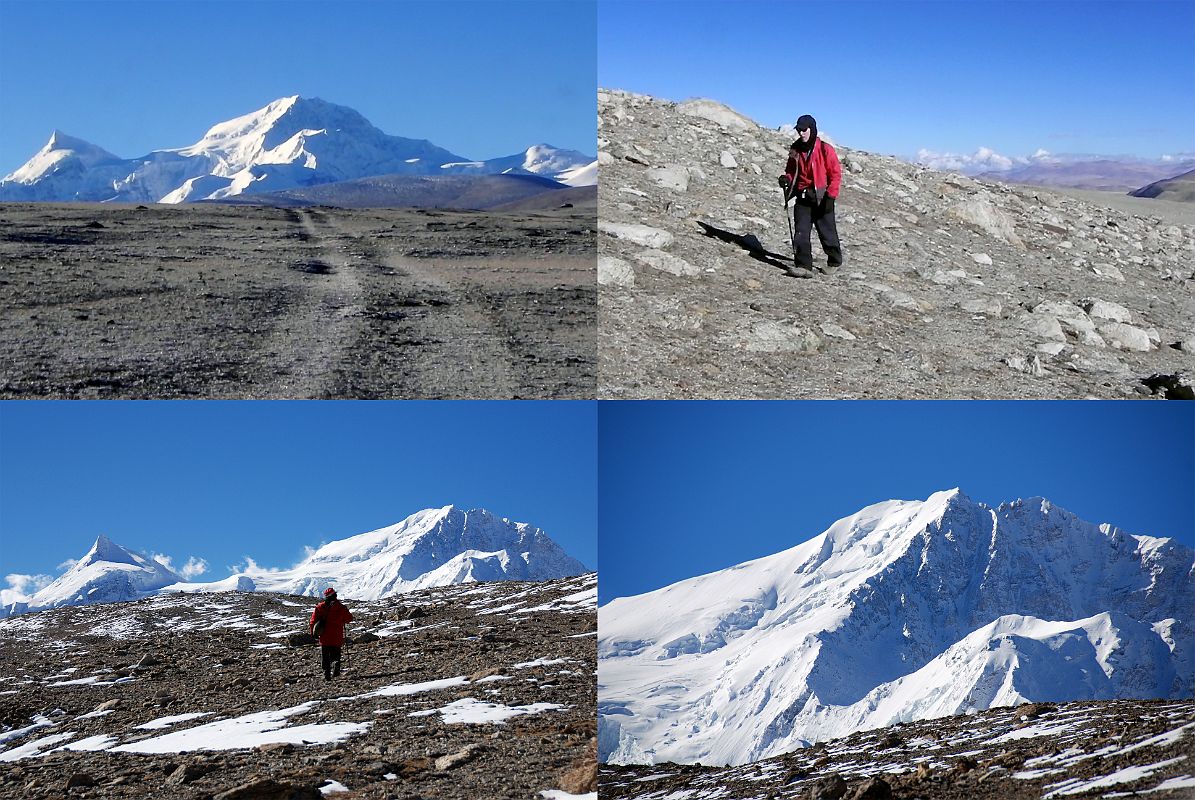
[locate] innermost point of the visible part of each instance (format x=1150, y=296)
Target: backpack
x=318, y=628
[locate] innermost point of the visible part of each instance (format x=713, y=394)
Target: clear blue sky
x=692, y=487
x=1097, y=77
x=225, y=480
x=482, y=79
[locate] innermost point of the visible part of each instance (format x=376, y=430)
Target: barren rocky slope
x=479, y=690
x=227, y=302
x=952, y=287
x=1103, y=749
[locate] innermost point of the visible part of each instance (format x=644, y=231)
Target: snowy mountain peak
x=107, y=550
x=291, y=142
x=902, y=611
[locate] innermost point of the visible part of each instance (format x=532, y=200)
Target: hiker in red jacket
x=813, y=177
x=327, y=622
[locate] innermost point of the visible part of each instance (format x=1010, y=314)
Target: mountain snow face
x=108, y=573
x=435, y=547
x=292, y=142
x=901, y=612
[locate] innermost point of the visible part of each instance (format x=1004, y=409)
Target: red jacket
x=334, y=616
x=826, y=173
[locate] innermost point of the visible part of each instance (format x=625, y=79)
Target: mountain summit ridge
x=904, y=610
x=430, y=548
x=291, y=142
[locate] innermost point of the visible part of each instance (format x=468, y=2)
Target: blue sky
x=224, y=480
x=692, y=487
x=482, y=79
x=895, y=77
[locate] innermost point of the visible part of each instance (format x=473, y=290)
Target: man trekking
x=327, y=623
x=813, y=177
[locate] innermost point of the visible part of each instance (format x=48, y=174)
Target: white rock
x=982, y=214
x=982, y=258
x=981, y=305
x=615, y=272
x=638, y=234
x=777, y=337
x=666, y=262
x=727, y=160
x=1051, y=348
x=837, y=331
x=604, y=158
x=673, y=176
x=1126, y=337
x=1102, y=309
x=716, y=112
x=1043, y=326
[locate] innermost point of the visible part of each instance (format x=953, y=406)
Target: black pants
x=807, y=214
x=330, y=654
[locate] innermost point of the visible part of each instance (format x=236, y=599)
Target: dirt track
x=236, y=302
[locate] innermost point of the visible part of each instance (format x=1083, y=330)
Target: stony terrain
x=952, y=288
x=476, y=690
x=1122, y=748
x=246, y=303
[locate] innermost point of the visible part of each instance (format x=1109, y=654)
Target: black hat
x=806, y=121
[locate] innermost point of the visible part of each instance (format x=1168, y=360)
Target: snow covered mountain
x=435, y=547
x=566, y=166
x=108, y=573
x=293, y=141
x=900, y=612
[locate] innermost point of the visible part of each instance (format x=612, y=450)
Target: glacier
x=289, y=143
x=906, y=610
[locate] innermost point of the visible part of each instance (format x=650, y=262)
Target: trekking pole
x=791, y=236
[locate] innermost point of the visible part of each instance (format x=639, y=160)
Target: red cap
x=329, y=592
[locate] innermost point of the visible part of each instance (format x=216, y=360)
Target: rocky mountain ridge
x=953, y=287
x=453, y=692
x=903, y=611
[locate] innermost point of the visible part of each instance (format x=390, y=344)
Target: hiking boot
x=799, y=272
x=336, y=670
x=327, y=677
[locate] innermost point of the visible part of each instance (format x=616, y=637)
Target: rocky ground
x=480, y=690
x=210, y=301
x=1122, y=748
x=952, y=288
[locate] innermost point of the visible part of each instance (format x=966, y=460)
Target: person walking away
x=327, y=623
x=813, y=177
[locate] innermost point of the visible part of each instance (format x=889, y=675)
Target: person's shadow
x=749, y=242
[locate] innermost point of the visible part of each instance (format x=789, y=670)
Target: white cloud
x=68, y=564
x=251, y=567
x=193, y=567
x=22, y=587
x=984, y=159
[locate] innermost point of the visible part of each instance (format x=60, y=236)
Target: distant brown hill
x=1180, y=188
x=417, y=191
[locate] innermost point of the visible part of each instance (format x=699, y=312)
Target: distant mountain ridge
x=434, y=547
x=906, y=610
x=292, y=142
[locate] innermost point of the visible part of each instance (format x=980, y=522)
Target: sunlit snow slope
x=903, y=611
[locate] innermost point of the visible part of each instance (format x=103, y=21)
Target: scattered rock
x=777, y=337
x=672, y=177
x=612, y=271
x=1102, y=309
x=80, y=779
x=832, y=787
x=644, y=235
x=270, y=789
x=837, y=331
x=461, y=756
x=1126, y=337
x=873, y=789
x=666, y=262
